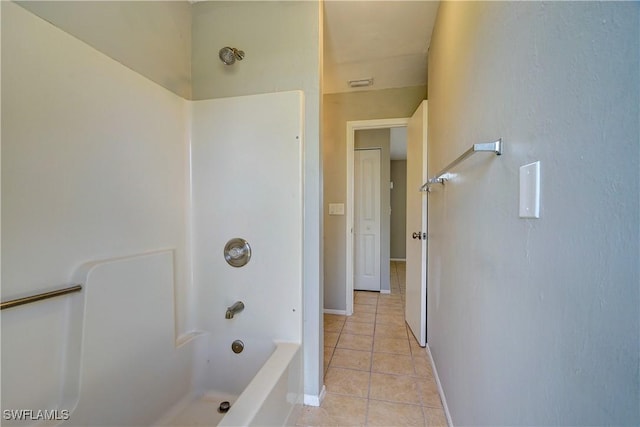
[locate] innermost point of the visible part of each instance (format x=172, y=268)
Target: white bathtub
x=263, y=385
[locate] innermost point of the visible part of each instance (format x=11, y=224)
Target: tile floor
x=375, y=372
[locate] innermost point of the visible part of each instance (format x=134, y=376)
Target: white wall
x=282, y=43
x=94, y=166
x=536, y=321
x=247, y=183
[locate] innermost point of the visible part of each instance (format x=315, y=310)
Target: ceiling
x=384, y=40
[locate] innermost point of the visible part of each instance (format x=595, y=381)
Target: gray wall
x=337, y=109
x=380, y=138
x=152, y=38
x=398, y=245
x=536, y=321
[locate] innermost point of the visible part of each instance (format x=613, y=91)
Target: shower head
x=229, y=55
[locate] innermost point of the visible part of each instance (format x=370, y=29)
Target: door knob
x=417, y=235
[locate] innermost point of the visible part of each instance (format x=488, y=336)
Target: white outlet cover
x=336, y=208
x=530, y=190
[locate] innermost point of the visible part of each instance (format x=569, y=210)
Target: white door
x=366, y=187
x=416, y=278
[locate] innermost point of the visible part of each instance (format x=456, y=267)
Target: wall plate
x=530, y=190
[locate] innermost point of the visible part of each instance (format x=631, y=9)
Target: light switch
x=336, y=208
x=530, y=190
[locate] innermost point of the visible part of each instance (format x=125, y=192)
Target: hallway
x=375, y=373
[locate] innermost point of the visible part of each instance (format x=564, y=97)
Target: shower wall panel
x=247, y=182
x=94, y=166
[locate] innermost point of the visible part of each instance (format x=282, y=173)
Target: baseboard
x=440, y=390
x=332, y=311
x=385, y=291
x=313, y=400
x=398, y=259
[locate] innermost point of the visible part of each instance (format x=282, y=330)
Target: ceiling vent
x=361, y=82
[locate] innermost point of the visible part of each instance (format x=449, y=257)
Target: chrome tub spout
x=236, y=308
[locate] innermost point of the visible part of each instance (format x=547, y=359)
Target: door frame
x=352, y=127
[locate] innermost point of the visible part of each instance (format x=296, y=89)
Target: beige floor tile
x=422, y=366
x=347, y=381
x=362, y=317
x=346, y=410
x=392, y=345
x=364, y=308
x=395, y=388
x=391, y=309
x=355, y=342
x=358, y=328
x=328, y=353
x=330, y=338
x=369, y=298
x=435, y=417
x=390, y=319
x=391, y=364
x=352, y=359
x=373, y=354
x=429, y=393
x=333, y=325
x=396, y=305
x=336, y=410
x=312, y=416
x=416, y=350
x=394, y=414
x=390, y=331
x=328, y=316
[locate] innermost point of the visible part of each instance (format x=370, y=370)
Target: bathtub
x=263, y=384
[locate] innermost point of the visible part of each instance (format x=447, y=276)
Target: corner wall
x=536, y=321
x=282, y=44
x=152, y=38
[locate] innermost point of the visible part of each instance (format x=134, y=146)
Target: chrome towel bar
x=440, y=177
x=38, y=297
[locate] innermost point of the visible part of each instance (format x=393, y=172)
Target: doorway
x=352, y=127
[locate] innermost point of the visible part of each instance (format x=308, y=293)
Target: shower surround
x=102, y=171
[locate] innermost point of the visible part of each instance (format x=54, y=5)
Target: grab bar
x=439, y=178
x=39, y=297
